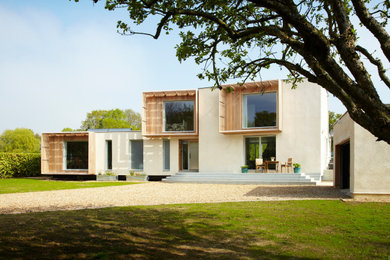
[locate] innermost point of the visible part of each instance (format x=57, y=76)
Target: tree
x=313, y=39
x=20, y=140
x=333, y=117
x=67, y=129
x=114, y=118
x=133, y=118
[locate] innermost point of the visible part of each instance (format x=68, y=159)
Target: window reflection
x=77, y=155
x=179, y=116
x=260, y=110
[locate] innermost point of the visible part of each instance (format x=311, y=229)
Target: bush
x=20, y=165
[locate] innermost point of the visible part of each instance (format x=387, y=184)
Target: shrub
x=20, y=165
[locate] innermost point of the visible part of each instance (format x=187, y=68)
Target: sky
x=60, y=60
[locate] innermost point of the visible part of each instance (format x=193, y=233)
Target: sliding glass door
x=259, y=147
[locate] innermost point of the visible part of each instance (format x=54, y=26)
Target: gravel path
x=155, y=193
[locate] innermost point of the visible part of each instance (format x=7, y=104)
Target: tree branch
x=374, y=26
x=376, y=62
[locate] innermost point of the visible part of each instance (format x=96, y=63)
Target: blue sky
x=61, y=60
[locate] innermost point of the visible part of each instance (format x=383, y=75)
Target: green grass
x=29, y=185
x=246, y=230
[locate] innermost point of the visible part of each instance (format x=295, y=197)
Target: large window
x=179, y=116
x=137, y=154
x=76, y=154
x=166, y=155
x=259, y=110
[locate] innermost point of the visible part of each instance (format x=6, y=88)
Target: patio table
x=267, y=163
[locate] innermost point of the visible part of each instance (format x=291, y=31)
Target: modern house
x=205, y=131
x=362, y=164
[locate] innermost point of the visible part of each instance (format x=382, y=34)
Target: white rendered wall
x=369, y=162
x=217, y=152
x=305, y=127
x=153, y=156
x=120, y=150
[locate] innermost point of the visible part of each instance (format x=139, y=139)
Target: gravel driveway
x=155, y=193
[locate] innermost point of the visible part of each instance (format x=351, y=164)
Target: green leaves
x=114, y=118
x=20, y=140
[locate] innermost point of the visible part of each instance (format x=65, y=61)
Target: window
x=260, y=110
x=76, y=154
x=179, y=116
x=137, y=154
x=109, y=154
x=166, y=155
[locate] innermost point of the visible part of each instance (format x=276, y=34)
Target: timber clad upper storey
x=253, y=107
x=250, y=108
x=170, y=113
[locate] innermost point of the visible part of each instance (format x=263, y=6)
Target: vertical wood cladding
x=231, y=110
x=52, y=151
x=153, y=111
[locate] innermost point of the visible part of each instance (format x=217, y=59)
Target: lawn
x=27, y=185
x=245, y=230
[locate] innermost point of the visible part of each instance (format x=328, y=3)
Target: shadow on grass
x=299, y=192
x=131, y=232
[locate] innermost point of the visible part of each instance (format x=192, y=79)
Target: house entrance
x=343, y=166
x=189, y=155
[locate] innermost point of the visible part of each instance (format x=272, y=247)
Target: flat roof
x=82, y=133
x=106, y=130
x=67, y=134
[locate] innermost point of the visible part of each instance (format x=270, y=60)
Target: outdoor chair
x=260, y=164
x=288, y=164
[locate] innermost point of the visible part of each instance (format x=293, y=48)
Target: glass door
x=251, y=151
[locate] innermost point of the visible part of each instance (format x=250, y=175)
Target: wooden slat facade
x=52, y=152
x=153, y=108
x=231, y=108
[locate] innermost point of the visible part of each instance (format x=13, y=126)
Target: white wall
x=371, y=164
x=217, y=152
x=370, y=160
x=305, y=127
x=153, y=156
x=120, y=150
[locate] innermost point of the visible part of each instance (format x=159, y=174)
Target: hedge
x=20, y=165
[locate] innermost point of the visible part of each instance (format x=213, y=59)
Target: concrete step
x=238, y=178
x=328, y=175
x=316, y=176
